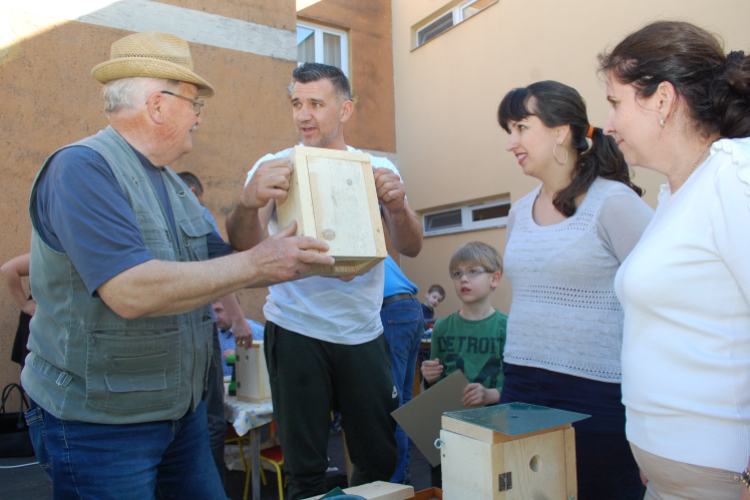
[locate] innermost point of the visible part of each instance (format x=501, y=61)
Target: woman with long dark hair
x=565, y=242
x=681, y=106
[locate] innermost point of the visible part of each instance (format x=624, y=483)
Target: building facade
x=455, y=61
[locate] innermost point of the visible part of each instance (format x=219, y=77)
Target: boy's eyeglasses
x=470, y=273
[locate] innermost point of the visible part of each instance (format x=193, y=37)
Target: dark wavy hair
x=715, y=86
x=557, y=104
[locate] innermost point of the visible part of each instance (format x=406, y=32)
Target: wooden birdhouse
x=332, y=197
x=251, y=373
x=509, y=452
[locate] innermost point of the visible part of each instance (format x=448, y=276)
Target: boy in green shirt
x=471, y=340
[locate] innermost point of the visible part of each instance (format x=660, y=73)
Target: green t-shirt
x=474, y=347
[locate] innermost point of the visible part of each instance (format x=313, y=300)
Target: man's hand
x=391, y=192
x=285, y=258
x=227, y=353
x=477, y=394
x=269, y=182
x=431, y=370
x=243, y=334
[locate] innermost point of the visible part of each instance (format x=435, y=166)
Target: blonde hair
x=476, y=252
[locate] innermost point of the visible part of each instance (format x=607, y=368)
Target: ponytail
x=603, y=159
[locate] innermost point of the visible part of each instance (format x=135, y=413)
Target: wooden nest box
x=332, y=197
x=251, y=373
x=509, y=452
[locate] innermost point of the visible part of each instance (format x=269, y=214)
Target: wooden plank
x=488, y=435
x=298, y=205
x=379, y=490
x=429, y=494
x=375, y=217
x=334, y=153
x=467, y=467
x=537, y=465
x=571, y=482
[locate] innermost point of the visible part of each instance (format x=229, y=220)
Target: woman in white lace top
x=681, y=106
x=565, y=242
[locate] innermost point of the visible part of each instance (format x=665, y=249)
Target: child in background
x=434, y=297
x=472, y=339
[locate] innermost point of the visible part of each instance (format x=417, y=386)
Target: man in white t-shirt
x=324, y=343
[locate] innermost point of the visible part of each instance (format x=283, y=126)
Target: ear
x=666, y=98
x=561, y=133
x=154, y=107
x=346, y=110
x=495, y=280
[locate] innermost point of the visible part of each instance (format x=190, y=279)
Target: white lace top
x=565, y=316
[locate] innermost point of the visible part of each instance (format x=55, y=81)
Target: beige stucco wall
x=448, y=90
x=49, y=99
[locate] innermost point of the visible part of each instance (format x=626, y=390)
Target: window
x=469, y=217
x=450, y=18
x=322, y=44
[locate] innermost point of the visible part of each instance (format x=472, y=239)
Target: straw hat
x=151, y=54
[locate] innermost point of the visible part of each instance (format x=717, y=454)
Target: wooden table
x=249, y=418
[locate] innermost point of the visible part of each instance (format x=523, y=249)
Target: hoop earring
x=554, y=154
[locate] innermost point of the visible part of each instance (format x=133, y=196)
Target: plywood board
x=537, y=464
x=467, y=467
x=379, y=490
x=420, y=417
x=570, y=463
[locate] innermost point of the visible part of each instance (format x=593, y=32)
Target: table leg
x=255, y=453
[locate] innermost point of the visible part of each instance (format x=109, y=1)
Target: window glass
x=435, y=28
x=305, y=44
x=443, y=220
x=332, y=49
x=490, y=213
x=474, y=7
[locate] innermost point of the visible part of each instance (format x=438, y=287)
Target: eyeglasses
x=470, y=273
x=197, y=105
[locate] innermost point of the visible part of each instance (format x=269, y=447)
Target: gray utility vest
x=86, y=362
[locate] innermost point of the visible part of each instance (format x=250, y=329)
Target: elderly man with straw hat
x=120, y=343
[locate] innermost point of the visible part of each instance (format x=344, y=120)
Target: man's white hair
x=132, y=92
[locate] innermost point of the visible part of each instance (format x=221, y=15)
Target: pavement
x=29, y=482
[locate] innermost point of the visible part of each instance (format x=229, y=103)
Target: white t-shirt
x=327, y=308
x=685, y=291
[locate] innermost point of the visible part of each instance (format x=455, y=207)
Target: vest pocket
x=132, y=373
x=195, y=231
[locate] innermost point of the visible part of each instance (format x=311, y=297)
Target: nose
x=512, y=142
x=303, y=114
x=609, y=126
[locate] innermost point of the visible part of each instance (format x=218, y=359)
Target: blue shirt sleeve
x=216, y=245
x=81, y=210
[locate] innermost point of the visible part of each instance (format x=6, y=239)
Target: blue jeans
x=167, y=459
x=403, y=326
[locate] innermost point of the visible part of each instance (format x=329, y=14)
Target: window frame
x=466, y=215
x=458, y=17
x=319, y=30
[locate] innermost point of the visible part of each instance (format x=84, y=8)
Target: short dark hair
x=437, y=288
x=557, y=104
x=312, y=72
x=192, y=181
x=714, y=85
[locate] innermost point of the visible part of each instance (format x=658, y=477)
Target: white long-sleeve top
x=686, y=345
